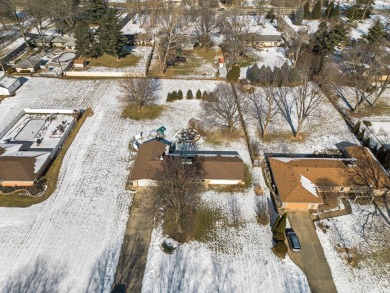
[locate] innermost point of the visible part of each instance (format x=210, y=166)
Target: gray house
x=27, y=65
x=262, y=41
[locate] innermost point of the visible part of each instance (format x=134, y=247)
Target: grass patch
x=210, y=55
x=178, y=69
x=381, y=109
x=218, y=137
x=199, y=225
x=51, y=176
x=146, y=113
x=287, y=136
x=112, y=62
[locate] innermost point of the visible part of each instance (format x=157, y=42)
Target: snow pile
x=361, y=239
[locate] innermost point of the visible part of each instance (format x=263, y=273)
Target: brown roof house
x=300, y=182
x=219, y=168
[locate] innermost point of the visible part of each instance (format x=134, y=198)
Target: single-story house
x=27, y=65
x=300, y=182
x=43, y=41
x=261, y=41
x=80, y=63
x=67, y=42
x=8, y=85
x=219, y=168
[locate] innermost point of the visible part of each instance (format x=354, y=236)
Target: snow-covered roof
x=28, y=63
x=7, y=81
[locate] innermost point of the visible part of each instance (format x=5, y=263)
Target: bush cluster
x=178, y=95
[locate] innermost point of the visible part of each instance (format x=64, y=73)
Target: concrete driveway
x=311, y=258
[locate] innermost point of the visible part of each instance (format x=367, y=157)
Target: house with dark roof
x=219, y=168
x=260, y=41
x=300, y=182
x=27, y=65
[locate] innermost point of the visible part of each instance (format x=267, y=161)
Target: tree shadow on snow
x=41, y=276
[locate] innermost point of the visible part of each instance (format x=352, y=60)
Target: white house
x=8, y=85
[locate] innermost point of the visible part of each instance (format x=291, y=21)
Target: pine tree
x=110, y=36
x=174, y=96
x=84, y=38
x=356, y=128
x=294, y=77
x=190, y=95
x=169, y=97
x=205, y=95
x=362, y=9
x=335, y=13
x=281, y=227
x=180, y=95
x=253, y=73
x=198, y=94
x=94, y=10
x=299, y=16
x=306, y=10
x=234, y=74
x=270, y=15
x=316, y=13
x=375, y=33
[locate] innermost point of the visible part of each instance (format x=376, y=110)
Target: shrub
x=169, y=97
x=25, y=71
x=360, y=135
x=205, y=95
x=180, y=95
x=234, y=74
x=198, y=94
x=280, y=249
x=167, y=248
x=11, y=70
x=279, y=236
x=262, y=212
x=367, y=123
x=174, y=96
x=190, y=95
x=281, y=226
x=356, y=128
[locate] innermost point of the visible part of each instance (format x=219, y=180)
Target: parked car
x=293, y=240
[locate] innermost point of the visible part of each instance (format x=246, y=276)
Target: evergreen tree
x=292, y=16
x=94, y=10
x=234, y=74
x=198, y=94
x=205, y=95
x=375, y=33
x=253, y=73
x=299, y=16
x=281, y=226
x=169, y=97
x=266, y=76
x=294, y=77
x=335, y=13
x=316, y=13
x=180, y=95
x=362, y=9
x=174, y=96
x=84, y=39
x=111, y=40
x=306, y=10
x=270, y=15
x=190, y=95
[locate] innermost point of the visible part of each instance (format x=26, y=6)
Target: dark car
x=293, y=240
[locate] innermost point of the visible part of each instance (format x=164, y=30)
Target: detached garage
x=8, y=85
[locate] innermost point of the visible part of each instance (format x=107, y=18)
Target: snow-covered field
x=71, y=242
x=365, y=233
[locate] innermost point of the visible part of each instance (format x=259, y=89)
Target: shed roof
x=7, y=81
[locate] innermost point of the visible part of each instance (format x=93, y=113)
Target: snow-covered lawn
x=365, y=233
x=323, y=130
x=142, y=52
x=237, y=260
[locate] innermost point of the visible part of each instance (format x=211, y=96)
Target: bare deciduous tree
x=177, y=189
x=260, y=6
x=306, y=99
x=169, y=37
x=368, y=173
x=38, y=10
x=10, y=10
x=64, y=13
x=221, y=109
x=140, y=92
x=297, y=46
x=264, y=108
x=205, y=25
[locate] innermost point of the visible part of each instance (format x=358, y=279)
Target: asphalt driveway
x=311, y=258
